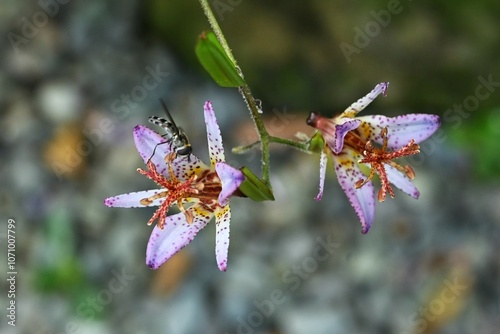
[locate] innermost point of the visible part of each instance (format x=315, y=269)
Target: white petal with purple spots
x=215, y=148
x=231, y=178
x=402, y=129
x=362, y=199
x=222, y=219
x=132, y=200
x=361, y=104
x=343, y=126
x=176, y=234
x=401, y=181
x=146, y=140
x=323, y=160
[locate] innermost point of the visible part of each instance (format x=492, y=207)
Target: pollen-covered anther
x=170, y=157
x=188, y=214
x=149, y=200
x=409, y=172
x=198, y=186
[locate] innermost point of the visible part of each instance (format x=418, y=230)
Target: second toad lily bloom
x=352, y=142
x=183, y=181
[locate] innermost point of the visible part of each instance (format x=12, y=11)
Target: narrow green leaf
x=215, y=61
x=254, y=188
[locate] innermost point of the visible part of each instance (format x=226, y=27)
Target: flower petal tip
x=384, y=87
x=215, y=147
x=365, y=229
x=208, y=106
x=222, y=266
x=152, y=265
x=318, y=197
x=109, y=202
x=140, y=129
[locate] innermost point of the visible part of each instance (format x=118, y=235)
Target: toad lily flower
x=350, y=140
x=183, y=180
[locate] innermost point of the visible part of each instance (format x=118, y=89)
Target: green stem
x=217, y=30
x=261, y=130
x=245, y=92
x=301, y=146
x=244, y=149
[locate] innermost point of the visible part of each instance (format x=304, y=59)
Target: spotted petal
x=362, y=199
x=176, y=234
x=401, y=181
x=215, y=148
x=148, y=141
x=231, y=178
x=222, y=219
x=333, y=130
x=133, y=199
x=400, y=129
x=361, y=104
x=323, y=160
x=343, y=126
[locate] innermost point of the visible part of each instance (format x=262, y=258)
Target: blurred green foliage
x=62, y=270
x=480, y=135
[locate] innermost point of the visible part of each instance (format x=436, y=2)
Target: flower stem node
x=353, y=142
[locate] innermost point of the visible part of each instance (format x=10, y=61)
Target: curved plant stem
x=244, y=149
x=245, y=92
x=301, y=146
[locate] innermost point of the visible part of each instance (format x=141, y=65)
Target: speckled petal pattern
x=176, y=234
x=323, y=161
x=146, y=141
x=231, y=178
x=132, y=200
x=401, y=181
x=362, y=199
x=215, y=148
x=361, y=104
x=343, y=126
x=401, y=129
x=185, y=168
x=222, y=219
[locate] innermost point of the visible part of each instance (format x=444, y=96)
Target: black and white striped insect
x=175, y=136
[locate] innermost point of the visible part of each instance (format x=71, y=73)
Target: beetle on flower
x=350, y=141
x=184, y=182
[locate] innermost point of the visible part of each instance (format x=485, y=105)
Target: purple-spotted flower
x=350, y=140
x=200, y=192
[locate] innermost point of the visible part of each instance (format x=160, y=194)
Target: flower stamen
x=174, y=193
x=377, y=157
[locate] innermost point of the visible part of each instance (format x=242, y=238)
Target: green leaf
x=215, y=61
x=254, y=188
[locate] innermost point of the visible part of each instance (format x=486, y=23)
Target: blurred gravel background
x=77, y=76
